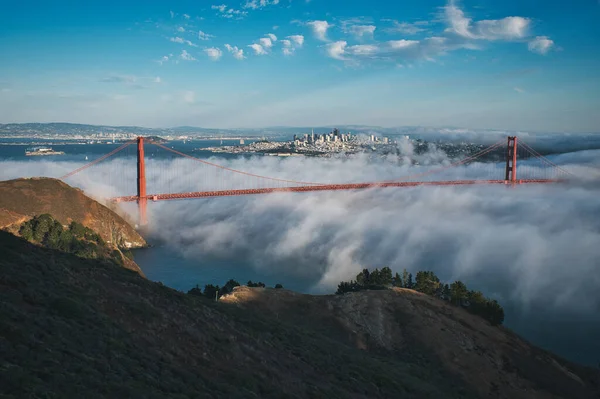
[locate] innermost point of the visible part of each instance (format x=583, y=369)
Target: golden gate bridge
x=512, y=150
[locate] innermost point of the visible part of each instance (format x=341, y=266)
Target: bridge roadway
x=325, y=187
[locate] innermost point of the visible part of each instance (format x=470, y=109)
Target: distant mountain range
x=79, y=129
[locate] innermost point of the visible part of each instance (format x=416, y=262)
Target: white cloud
x=319, y=29
x=214, y=53
x=287, y=47
x=221, y=8
x=258, y=49
x=182, y=41
x=186, y=56
x=394, y=48
x=337, y=49
x=204, y=36
x=227, y=12
x=519, y=90
x=157, y=80
x=181, y=29
x=461, y=33
x=509, y=28
x=186, y=16
x=541, y=45
x=359, y=31
x=272, y=37
x=291, y=44
x=172, y=14
x=235, y=51
x=402, y=44
x=257, y=4
x=298, y=39
x=363, y=50
x=165, y=58
x=266, y=42
x=407, y=28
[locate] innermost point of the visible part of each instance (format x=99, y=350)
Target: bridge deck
x=327, y=187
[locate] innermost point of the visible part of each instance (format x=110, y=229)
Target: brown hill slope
x=22, y=199
x=71, y=328
x=493, y=361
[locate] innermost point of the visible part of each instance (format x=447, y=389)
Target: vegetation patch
x=75, y=239
x=427, y=283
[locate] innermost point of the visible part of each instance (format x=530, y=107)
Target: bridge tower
x=142, y=200
x=511, y=159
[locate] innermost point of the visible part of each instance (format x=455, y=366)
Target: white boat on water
x=40, y=151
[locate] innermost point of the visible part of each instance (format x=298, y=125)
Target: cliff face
x=22, y=199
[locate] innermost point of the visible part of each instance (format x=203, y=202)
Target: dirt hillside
x=22, y=199
x=493, y=361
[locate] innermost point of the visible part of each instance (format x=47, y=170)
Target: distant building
x=373, y=138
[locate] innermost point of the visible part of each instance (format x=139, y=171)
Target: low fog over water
x=534, y=248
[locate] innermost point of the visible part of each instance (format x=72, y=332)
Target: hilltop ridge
x=21, y=199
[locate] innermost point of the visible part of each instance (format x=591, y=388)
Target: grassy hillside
x=71, y=327
x=22, y=199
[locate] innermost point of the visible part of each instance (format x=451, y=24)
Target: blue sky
x=516, y=64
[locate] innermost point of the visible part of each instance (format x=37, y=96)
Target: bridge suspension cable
x=233, y=170
x=102, y=158
x=544, y=159
x=452, y=165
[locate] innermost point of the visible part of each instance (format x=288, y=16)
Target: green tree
x=405, y=278
x=196, y=291
x=255, y=285
x=77, y=229
x=385, y=276
x=458, y=292
x=278, y=286
x=211, y=291
x=52, y=238
x=397, y=281
x=26, y=231
x=65, y=241
x=363, y=278
x=427, y=282
x=345, y=286
x=228, y=287
x=446, y=293
x=494, y=313
x=408, y=283
x=477, y=301
x=41, y=226
x=375, y=279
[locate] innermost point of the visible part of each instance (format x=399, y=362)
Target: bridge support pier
x=511, y=160
x=142, y=200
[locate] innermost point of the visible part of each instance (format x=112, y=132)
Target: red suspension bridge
x=232, y=182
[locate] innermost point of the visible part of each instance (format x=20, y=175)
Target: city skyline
x=261, y=63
